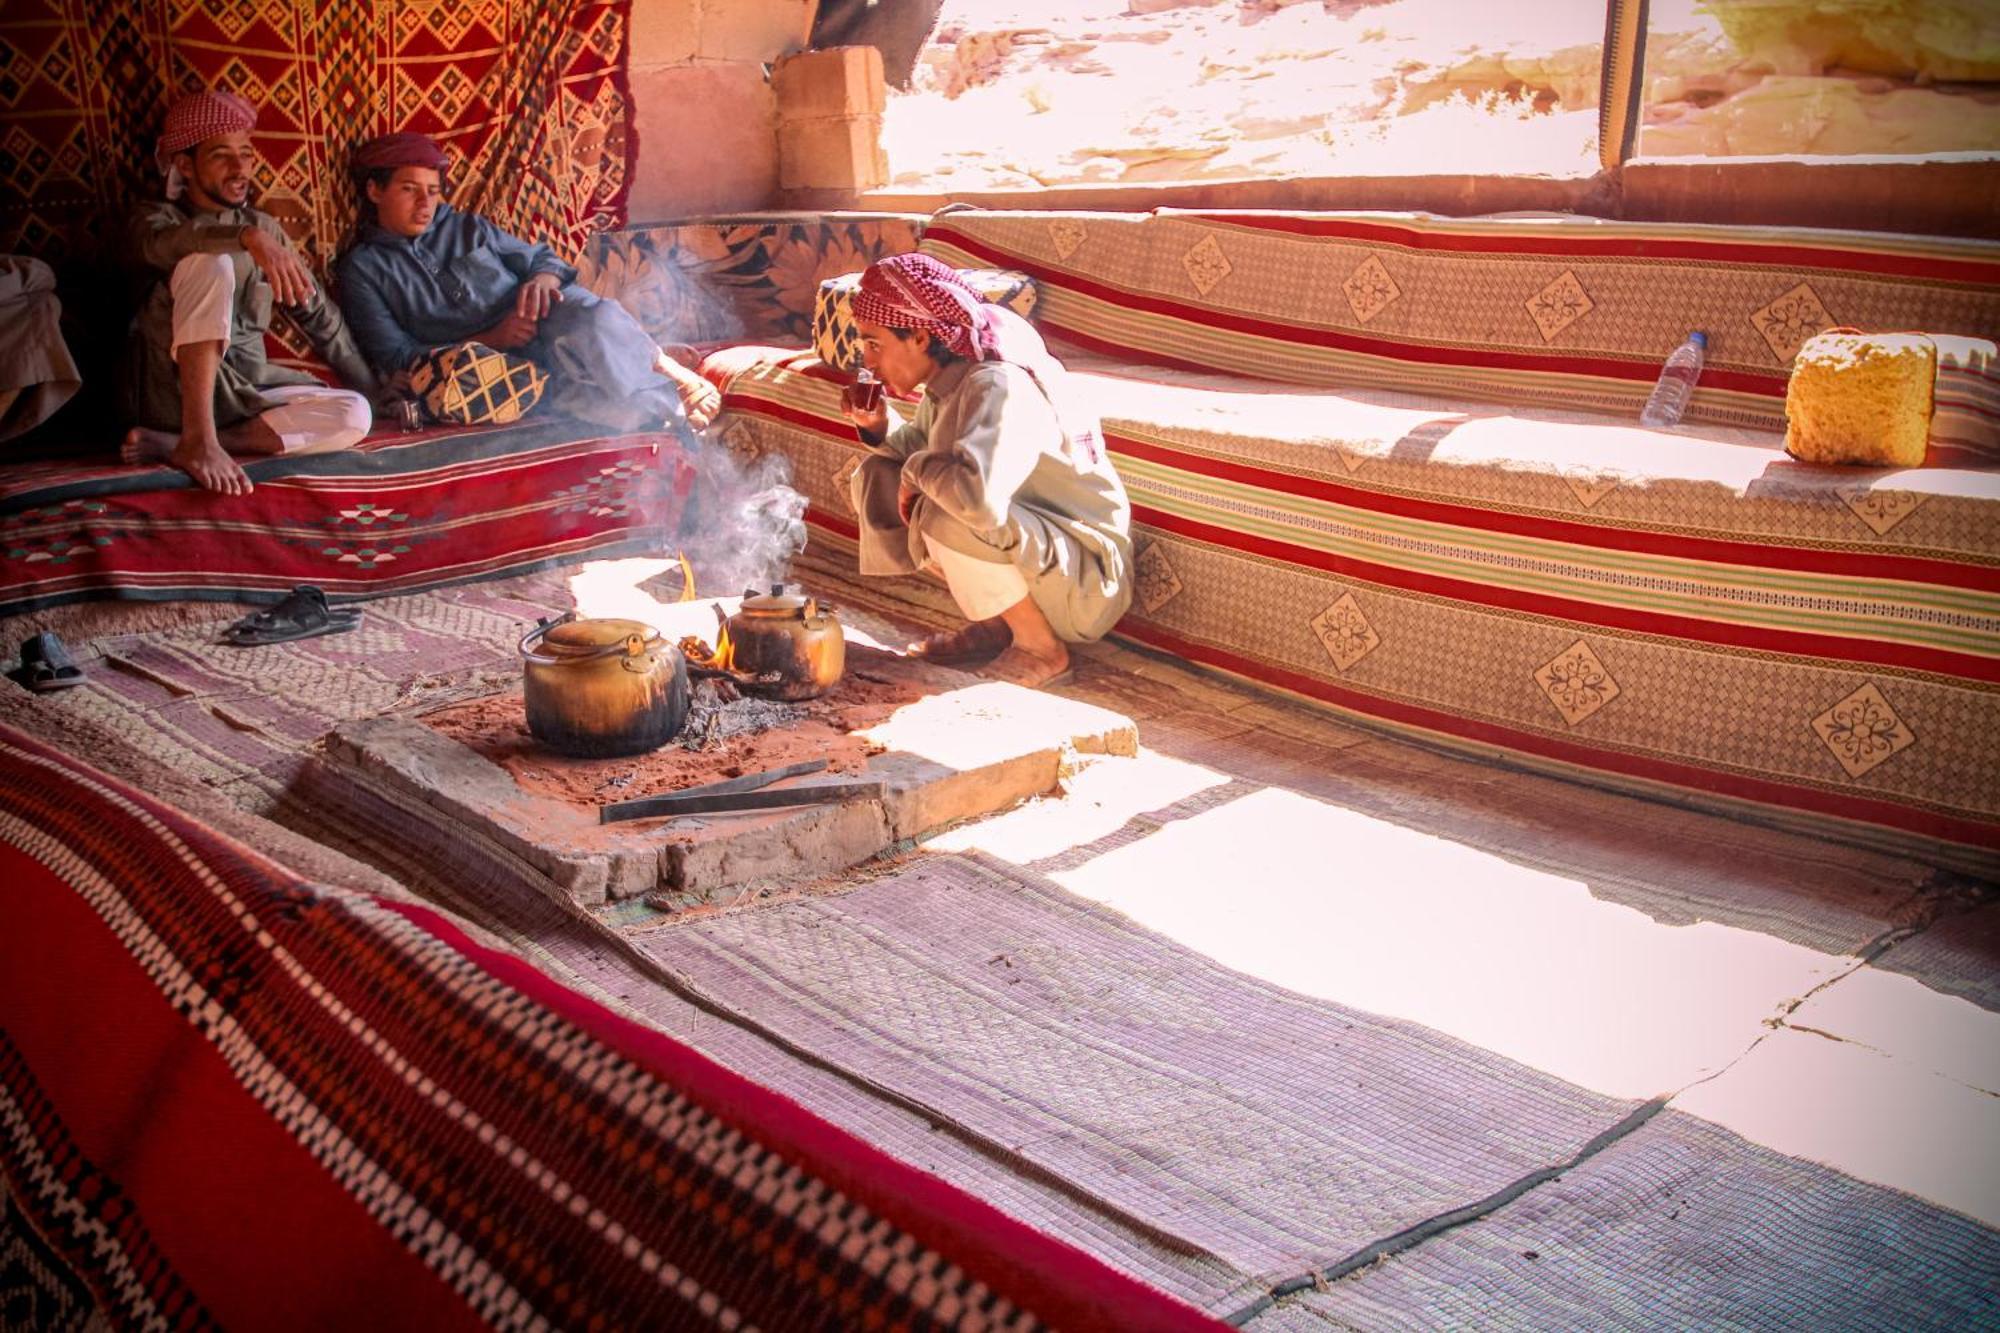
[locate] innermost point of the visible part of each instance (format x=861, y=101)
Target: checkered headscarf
x=202, y=115
x=195, y=117
x=920, y=292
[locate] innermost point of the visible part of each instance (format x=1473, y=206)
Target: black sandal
x=46, y=665
x=303, y=614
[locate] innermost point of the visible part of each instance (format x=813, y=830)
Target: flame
x=687, y=577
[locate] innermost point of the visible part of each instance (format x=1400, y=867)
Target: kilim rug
x=231, y=1097
x=530, y=97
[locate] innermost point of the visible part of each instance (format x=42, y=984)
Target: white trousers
x=982, y=588
x=308, y=418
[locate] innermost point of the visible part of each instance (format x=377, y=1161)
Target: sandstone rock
x=1943, y=40
x=1829, y=115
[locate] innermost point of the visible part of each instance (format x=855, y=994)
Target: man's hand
x=510, y=333
x=536, y=296
x=291, y=285
x=875, y=422
x=906, y=500
x=700, y=400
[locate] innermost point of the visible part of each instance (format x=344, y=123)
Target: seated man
x=1000, y=479
x=422, y=276
x=196, y=379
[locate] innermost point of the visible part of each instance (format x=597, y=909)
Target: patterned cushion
x=836, y=343
x=470, y=384
x=1966, y=413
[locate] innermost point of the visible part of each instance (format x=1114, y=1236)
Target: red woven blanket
x=229, y=1096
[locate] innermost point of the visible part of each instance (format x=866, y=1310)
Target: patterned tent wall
x=531, y=98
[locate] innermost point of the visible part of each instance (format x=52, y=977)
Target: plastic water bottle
x=1676, y=384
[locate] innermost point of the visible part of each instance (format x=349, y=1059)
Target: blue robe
x=406, y=296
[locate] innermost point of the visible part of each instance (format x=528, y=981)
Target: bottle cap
x=1699, y=340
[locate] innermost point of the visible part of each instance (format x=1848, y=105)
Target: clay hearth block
x=965, y=748
x=834, y=153
x=839, y=81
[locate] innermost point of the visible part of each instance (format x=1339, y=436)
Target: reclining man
x=422, y=276
x=196, y=378
x=1000, y=480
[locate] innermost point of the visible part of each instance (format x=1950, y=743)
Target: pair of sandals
x=46, y=665
x=302, y=614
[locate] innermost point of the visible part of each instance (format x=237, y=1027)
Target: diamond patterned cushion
x=470, y=384
x=836, y=343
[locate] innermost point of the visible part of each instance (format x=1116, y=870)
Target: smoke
x=743, y=523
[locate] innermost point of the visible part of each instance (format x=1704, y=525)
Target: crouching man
x=1000, y=480
x=197, y=381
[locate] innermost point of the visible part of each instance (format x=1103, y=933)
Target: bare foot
x=211, y=467
x=1017, y=666
x=979, y=641
x=146, y=446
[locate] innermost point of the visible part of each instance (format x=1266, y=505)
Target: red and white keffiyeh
x=919, y=292
x=195, y=117
x=916, y=291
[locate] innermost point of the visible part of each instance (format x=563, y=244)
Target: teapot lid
x=598, y=633
x=779, y=601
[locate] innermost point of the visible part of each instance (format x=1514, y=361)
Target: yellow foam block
x=1861, y=398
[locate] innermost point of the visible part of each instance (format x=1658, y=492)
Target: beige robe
x=163, y=234
x=37, y=373
x=1001, y=476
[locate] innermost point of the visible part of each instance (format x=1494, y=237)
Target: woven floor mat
x=240, y=718
x=1678, y=865
x=483, y=882
x=1959, y=955
x=1684, y=1225
x=1231, y=1117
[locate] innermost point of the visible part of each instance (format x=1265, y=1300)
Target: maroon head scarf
x=404, y=149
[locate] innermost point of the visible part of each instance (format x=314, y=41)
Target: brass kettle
x=598, y=688
x=782, y=645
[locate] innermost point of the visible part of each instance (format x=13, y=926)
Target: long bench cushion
x=396, y=514
x=1690, y=613
x=1572, y=312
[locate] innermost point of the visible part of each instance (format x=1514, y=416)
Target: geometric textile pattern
x=1369, y=288
x=1068, y=235
x=1570, y=314
x=1862, y=730
x=751, y=281
x=1790, y=320
x=838, y=343
x=468, y=1141
x=1559, y=305
x=470, y=384
x=529, y=97
x=397, y=513
x=1157, y=583
x=1576, y=682
x=1344, y=632
x=1206, y=265
x=1743, y=596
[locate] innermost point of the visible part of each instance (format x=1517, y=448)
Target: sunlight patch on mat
x=1880, y=1118
x=1525, y=963
x=1900, y=1016
x=1097, y=802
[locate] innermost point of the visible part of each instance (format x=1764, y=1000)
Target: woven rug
x=230, y=1097
x=1227, y=1117
x=1682, y=1225
x=531, y=97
